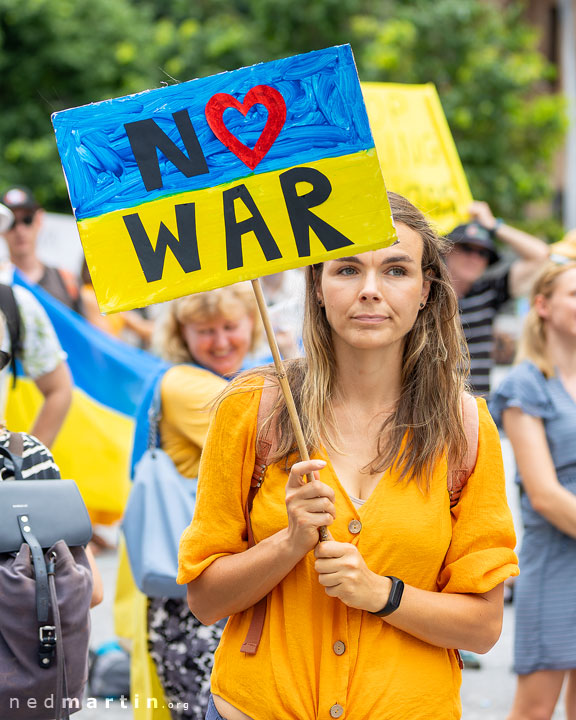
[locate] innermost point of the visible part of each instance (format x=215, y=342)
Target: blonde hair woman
x=363, y=625
x=536, y=406
x=208, y=337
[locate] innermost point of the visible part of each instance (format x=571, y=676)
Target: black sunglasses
x=25, y=220
x=475, y=250
x=5, y=358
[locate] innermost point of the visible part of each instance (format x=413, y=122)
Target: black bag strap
x=47, y=636
x=62, y=713
x=9, y=307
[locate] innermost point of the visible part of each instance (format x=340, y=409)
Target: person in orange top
x=363, y=625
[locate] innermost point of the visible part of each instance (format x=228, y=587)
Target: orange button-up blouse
x=317, y=656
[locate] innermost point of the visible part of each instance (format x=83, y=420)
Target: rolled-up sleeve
x=481, y=554
x=218, y=527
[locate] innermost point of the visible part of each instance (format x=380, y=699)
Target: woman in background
x=208, y=337
x=536, y=406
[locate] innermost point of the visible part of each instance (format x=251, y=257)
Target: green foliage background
x=494, y=85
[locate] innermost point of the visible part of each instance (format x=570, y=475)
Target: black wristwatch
x=393, y=599
x=497, y=225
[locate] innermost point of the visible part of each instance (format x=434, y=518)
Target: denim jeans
x=211, y=712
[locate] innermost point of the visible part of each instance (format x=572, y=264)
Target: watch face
x=394, y=598
x=395, y=594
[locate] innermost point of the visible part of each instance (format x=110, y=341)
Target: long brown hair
x=435, y=363
x=532, y=345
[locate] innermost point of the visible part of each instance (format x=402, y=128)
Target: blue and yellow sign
x=221, y=179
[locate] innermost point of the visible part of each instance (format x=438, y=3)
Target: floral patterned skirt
x=183, y=652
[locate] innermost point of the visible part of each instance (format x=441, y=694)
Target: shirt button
x=339, y=647
x=354, y=526
x=336, y=711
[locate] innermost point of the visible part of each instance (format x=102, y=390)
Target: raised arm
x=531, y=251
x=547, y=496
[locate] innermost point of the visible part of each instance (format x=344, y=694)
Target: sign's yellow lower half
x=256, y=226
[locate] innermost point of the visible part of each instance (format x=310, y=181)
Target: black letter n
x=184, y=247
x=145, y=136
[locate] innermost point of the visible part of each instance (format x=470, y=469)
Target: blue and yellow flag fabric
x=198, y=185
x=110, y=379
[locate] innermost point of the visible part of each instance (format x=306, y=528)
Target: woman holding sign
x=365, y=624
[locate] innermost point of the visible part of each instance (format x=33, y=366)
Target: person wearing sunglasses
x=21, y=239
x=481, y=294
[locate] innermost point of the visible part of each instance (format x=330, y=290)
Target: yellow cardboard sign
x=417, y=151
x=228, y=178
x=356, y=210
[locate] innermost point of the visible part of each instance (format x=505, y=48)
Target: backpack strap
x=264, y=446
x=458, y=477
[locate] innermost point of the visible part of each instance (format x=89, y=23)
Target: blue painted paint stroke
x=326, y=118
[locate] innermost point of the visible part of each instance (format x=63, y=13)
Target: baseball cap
x=6, y=218
x=474, y=234
x=19, y=197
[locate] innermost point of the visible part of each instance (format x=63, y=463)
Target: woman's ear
x=541, y=306
x=426, y=283
x=317, y=279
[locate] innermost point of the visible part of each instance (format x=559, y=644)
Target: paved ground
x=486, y=693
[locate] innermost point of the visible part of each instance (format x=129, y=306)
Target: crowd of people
x=389, y=357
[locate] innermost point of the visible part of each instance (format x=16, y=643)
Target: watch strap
x=394, y=597
x=497, y=225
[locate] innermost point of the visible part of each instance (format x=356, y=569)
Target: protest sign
x=416, y=149
x=221, y=179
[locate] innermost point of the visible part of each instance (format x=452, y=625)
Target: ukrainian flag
x=110, y=379
x=221, y=179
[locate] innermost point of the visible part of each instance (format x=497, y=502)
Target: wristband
x=393, y=599
x=497, y=225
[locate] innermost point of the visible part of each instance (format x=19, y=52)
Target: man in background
x=21, y=238
x=31, y=339
x=481, y=294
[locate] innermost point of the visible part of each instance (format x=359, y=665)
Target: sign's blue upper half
x=325, y=117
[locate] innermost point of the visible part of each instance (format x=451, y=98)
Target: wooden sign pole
x=284, y=384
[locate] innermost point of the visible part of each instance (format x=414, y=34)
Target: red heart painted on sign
x=272, y=101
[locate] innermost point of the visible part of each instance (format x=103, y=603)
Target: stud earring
x=421, y=306
x=320, y=302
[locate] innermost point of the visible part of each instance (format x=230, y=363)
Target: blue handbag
x=160, y=507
